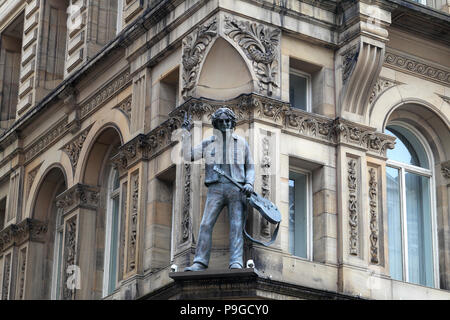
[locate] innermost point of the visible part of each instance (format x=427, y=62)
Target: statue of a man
x=230, y=153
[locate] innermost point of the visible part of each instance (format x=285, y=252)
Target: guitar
x=264, y=206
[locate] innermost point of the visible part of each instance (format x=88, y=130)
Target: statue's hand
x=187, y=122
x=248, y=189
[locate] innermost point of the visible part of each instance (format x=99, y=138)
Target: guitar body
x=267, y=209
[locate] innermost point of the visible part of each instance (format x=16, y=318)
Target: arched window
x=112, y=234
x=411, y=225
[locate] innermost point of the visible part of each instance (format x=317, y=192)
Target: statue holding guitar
x=229, y=176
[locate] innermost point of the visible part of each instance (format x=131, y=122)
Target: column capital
x=78, y=196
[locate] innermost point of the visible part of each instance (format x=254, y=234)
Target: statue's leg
x=213, y=206
x=236, y=209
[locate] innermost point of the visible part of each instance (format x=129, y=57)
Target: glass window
x=298, y=214
x=409, y=209
x=57, y=254
x=112, y=234
x=299, y=90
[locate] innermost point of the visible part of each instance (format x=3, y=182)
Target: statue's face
x=224, y=123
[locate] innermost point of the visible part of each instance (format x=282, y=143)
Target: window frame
x=403, y=168
x=112, y=194
x=119, y=17
x=309, y=213
x=306, y=75
x=58, y=244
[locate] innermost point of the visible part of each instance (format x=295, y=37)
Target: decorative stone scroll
x=261, y=46
x=30, y=178
x=353, y=206
x=373, y=204
x=194, y=47
x=78, y=196
x=410, y=64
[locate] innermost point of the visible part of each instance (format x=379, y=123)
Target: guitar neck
x=237, y=184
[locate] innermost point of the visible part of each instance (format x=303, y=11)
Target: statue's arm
x=196, y=153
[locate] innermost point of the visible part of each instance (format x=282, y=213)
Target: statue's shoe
x=235, y=266
x=196, y=266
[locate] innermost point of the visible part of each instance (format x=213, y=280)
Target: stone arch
x=224, y=73
x=91, y=142
x=427, y=114
x=52, y=182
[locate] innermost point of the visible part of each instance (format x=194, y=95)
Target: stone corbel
x=78, y=196
x=360, y=57
x=445, y=169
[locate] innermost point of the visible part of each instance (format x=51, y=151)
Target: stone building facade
x=345, y=105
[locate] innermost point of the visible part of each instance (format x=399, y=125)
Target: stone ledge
x=235, y=284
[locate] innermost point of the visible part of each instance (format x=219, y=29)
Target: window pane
x=298, y=91
x=407, y=149
x=394, y=223
x=114, y=244
x=297, y=214
x=116, y=181
x=420, y=260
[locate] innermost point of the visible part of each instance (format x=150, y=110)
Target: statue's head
x=224, y=119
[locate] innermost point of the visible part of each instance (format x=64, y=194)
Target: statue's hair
x=221, y=111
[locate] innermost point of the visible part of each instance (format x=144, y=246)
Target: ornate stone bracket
x=78, y=196
x=17, y=234
x=125, y=107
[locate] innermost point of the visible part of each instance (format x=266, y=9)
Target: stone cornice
x=78, y=196
x=254, y=107
x=17, y=234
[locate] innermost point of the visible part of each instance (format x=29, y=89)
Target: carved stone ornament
x=6, y=277
x=79, y=195
x=30, y=178
x=133, y=223
x=380, y=87
x=349, y=59
x=125, y=107
x=353, y=206
x=73, y=148
x=194, y=47
x=445, y=169
x=69, y=255
x=373, y=204
x=186, y=218
x=22, y=270
x=261, y=46
x=26, y=230
x=266, y=163
x=410, y=64
x=247, y=107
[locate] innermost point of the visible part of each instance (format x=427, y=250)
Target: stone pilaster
x=79, y=205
